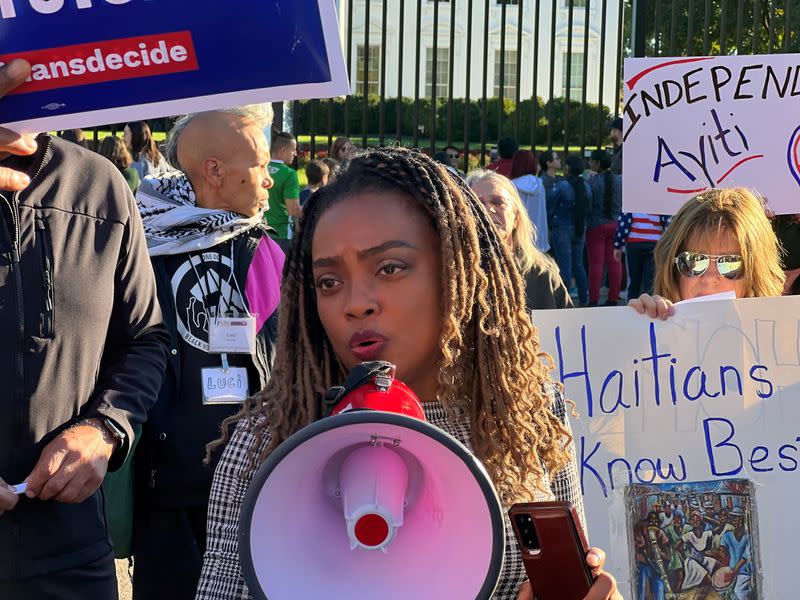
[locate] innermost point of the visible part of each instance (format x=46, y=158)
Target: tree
x=719, y=27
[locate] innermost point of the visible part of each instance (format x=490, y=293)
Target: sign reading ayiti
x=691, y=124
x=105, y=61
x=710, y=395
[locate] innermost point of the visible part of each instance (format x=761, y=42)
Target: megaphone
x=371, y=502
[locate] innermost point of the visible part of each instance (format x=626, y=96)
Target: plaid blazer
x=221, y=578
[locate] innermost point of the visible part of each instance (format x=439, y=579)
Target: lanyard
x=207, y=291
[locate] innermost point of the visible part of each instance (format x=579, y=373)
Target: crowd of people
x=118, y=313
x=681, y=545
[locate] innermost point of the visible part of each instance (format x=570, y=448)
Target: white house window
x=373, y=70
x=575, y=76
x=509, y=74
x=442, y=72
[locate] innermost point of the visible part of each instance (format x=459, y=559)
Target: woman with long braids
x=396, y=260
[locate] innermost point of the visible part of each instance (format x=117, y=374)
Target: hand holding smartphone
x=553, y=548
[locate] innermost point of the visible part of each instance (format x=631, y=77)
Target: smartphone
x=553, y=548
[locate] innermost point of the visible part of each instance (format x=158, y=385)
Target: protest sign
x=107, y=61
x=691, y=124
x=710, y=395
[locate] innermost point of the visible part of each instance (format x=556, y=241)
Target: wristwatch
x=115, y=430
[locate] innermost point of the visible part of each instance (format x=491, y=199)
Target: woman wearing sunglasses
x=719, y=241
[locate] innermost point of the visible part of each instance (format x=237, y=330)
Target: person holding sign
x=719, y=241
x=398, y=261
x=82, y=352
x=218, y=276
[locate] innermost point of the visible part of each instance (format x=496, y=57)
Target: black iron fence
x=435, y=73
x=546, y=72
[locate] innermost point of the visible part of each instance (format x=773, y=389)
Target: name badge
x=224, y=386
x=232, y=335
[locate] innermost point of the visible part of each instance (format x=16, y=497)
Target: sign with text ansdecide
x=691, y=124
x=710, y=394
x=110, y=61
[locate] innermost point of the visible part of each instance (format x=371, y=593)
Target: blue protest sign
x=105, y=61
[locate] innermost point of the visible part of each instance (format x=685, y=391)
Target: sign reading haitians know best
x=691, y=124
x=107, y=61
x=712, y=393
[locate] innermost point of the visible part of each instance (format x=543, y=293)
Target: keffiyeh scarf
x=174, y=224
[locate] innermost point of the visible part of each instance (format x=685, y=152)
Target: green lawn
x=373, y=140
x=159, y=136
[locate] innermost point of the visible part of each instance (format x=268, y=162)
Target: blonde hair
x=523, y=236
x=738, y=212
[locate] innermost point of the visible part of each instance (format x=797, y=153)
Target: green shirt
x=285, y=185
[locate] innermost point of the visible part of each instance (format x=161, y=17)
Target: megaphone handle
x=358, y=376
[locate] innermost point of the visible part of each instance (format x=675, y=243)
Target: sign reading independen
x=691, y=124
x=110, y=61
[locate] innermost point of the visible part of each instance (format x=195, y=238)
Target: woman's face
x=127, y=137
x=718, y=243
x=346, y=151
x=377, y=273
x=500, y=207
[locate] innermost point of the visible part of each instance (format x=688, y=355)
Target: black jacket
x=81, y=335
x=544, y=288
x=170, y=472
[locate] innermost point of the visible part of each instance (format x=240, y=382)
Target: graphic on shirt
x=203, y=287
x=693, y=540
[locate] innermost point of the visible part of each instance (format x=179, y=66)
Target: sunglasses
x=694, y=264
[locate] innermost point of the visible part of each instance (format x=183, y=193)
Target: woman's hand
x=617, y=255
x=654, y=307
x=525, y=591
x=604, y=587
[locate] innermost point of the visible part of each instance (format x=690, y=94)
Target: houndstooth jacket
x=221, y=578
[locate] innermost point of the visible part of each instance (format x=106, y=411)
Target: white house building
x=548, y=42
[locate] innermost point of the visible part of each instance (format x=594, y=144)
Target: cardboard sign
x=709, y=395
x=107, y=61
x=691, y=124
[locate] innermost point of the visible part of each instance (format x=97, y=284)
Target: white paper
x=697, y=123
x=20, y=487
x=742, y=360
x=721, y=296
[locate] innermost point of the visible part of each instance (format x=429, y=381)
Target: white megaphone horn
x=371, y=502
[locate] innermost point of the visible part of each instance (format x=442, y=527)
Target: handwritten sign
x=691, y=124
x=106, y=61
x=710, y=394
